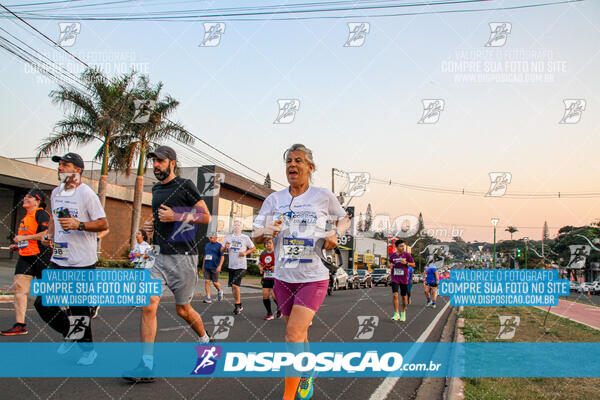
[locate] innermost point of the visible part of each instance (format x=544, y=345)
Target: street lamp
x=495, y=222
x=526, y=239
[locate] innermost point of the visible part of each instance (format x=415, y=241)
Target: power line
x=191, y=134
x=237, y=16
x=472, y=193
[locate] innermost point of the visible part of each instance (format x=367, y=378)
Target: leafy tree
x=100, y=116
x=421, y=223
x=368, y=218
x=511, y=230
x=136, y=143
x=267, y=181
x=545, y=232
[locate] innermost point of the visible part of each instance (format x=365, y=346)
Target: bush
x=105, y=263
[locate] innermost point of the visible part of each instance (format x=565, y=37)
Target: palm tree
x=135, y=144
x=99, y=115
x=511, y=230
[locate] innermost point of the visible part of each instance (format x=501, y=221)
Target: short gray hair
x=307, y=153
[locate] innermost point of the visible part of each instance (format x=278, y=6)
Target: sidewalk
x=582, y=313
x=7, y=271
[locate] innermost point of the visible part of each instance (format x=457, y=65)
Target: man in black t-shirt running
x=177, y=208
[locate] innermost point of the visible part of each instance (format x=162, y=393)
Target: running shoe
x=220, y=296
x=305, y=388
x=140, y=374
x=207, y=300
x=65, y=347
x=279, y=314
x=87, y=358
x=402, y=317
x=395, y=317
x=269, y=317
x=17, y=329
x=428, y=303
x=433, y=306
x=95, y=312
x=237, y=310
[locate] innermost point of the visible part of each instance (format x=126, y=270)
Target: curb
x=455, y=389
x=7, y=298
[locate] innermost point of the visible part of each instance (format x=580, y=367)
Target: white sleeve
x=265, y=211
x=136, y=248
x=335, y=209
x=93, y=206
x=249, y=243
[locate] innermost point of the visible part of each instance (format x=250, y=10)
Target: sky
x=360, y=105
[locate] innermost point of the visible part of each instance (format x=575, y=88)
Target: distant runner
x=400, y=261
x=267, y=270
x=432, y=279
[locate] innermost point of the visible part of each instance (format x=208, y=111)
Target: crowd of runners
x=294, y=225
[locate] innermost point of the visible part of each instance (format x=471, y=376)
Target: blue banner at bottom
x=349, y=359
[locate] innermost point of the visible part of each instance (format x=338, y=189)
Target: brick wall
x=116, y=244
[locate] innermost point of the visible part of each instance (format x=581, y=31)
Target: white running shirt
x=305, y=220
x=75, y=248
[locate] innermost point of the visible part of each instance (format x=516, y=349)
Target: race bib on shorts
x=208, y=257
x=22, y=244
x=268, y=273
x=297, y=249
x=60, y=251
x=398, y=271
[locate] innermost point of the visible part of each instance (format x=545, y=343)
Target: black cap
x=163, y=152
x=38, y=195
x=73, y=158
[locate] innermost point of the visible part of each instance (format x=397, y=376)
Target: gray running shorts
x=179, y=273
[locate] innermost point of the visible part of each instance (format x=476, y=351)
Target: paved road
x=336, y=321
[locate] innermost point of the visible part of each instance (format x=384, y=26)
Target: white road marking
x=384, y=389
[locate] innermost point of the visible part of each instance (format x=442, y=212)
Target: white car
x=588, y=287
x=576, y=286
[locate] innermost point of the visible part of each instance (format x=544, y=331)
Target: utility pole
x=333, y=180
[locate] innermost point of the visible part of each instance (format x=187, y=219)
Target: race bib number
x=60, y=251
x=268, y=273
x=297, y=249
x=22, y=244
x=398, y=271
x=208, y=257
x=236, y=246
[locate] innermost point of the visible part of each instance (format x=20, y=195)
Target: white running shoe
x=88, y=358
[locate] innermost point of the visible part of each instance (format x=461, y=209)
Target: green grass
x=482, y=325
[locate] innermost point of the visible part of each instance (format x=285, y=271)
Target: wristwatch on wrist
x=81, y=227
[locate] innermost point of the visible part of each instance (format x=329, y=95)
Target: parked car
x=586, y=287
x=365, y=278
x=575, y=286
x=337, y=280
x=381, y=276
x=353, y=278
x=417, y=278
